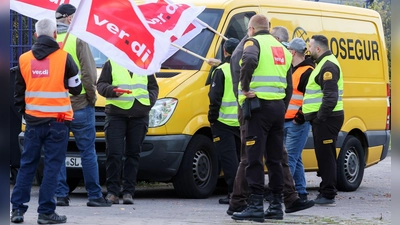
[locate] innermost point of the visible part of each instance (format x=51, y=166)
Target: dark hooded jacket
x=43, y=47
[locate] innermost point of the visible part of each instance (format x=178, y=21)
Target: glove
x=299, y=117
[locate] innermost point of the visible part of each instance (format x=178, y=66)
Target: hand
x=213, y=62
x=119, y=93
x=249, y=94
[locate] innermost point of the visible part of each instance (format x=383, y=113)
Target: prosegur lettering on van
x=178, y=147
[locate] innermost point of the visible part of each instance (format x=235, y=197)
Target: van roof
x=328, y=8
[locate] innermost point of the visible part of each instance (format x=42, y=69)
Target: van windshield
x=199, y=44
x=182, y=60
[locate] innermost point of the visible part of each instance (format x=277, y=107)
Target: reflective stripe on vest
x=229, y=106
x=45, y=94
x=313, y=96
x=70, y=47
x=137, y=84
x=297, y=97
x=269, y=78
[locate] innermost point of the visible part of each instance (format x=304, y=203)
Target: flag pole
x=212, y=29
x=189, y=52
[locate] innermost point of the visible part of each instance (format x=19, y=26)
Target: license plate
x=73, y=162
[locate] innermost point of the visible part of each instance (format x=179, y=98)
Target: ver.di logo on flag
x=113, y=25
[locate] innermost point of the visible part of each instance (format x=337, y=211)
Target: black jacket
x=304, y=77
x=250, y=57
x=43, y=47
x=105, y=89
x=330, y=90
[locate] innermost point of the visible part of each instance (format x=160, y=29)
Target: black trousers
x=325, y=136
x=264, y=136
x=227, y=143
x=124, y=137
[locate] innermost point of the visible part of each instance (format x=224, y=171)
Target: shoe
x=63, y=201
x=303, y=196
x=298, y=205
x=322, y=201
x=274, y=211
x=52, y=218
x=254, y=210
x=225, y=200
x=112, y=198
x=17, y=216
x=231, y=210
x=99, y=202
x=127, y=199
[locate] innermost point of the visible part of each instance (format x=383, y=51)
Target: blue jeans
x=83, y=128
x=52, y=137
x=295, y=139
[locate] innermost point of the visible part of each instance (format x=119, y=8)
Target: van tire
x=198, y=173
x=350, y=165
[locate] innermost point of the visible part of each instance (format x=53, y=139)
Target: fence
x=21, y=36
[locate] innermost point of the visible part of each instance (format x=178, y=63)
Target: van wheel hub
x=351, y=165
x=201, y=168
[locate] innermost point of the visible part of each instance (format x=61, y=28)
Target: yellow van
x=179, y=148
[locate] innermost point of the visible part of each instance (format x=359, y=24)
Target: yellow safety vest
x=312, y=100
x=229, y=106
x=269, y=78
x=70, y=47
x=137, y=84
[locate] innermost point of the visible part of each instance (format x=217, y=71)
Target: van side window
x=237, y=28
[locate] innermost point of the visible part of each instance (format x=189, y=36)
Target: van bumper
x=160, y=158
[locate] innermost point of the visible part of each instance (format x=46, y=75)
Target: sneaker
x=231, y=210
x=99, y=202
x=225, y=200
x=303, y=196
x=322, y=201
x=52, y=218
x=112, y=198
x=62, y=201
x=127, y=199
x=298, y=205
x=17, y=216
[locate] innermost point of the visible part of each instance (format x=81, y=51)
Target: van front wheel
x=198, y=172
x=350, y=165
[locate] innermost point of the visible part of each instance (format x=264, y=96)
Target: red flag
x=192, y=31
x=167, y=17
x=39, y=9
x=119, y=30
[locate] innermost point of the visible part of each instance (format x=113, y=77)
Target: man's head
x=64, y=13
x=257, y=23
x=297, y=46
x=230, y=45
x=46, y=27
x=281, y=34
x=318, y=45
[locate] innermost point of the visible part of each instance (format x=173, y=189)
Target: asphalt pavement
x=156, y=204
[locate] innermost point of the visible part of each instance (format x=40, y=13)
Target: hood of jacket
x=44, y=46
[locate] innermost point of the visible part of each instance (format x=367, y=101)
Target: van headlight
x=162, y=111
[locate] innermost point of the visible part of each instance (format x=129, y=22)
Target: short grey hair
x=280, y=33
x=45, y=27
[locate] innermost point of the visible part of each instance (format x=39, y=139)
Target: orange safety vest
x=45, y=94
x=297, y=97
